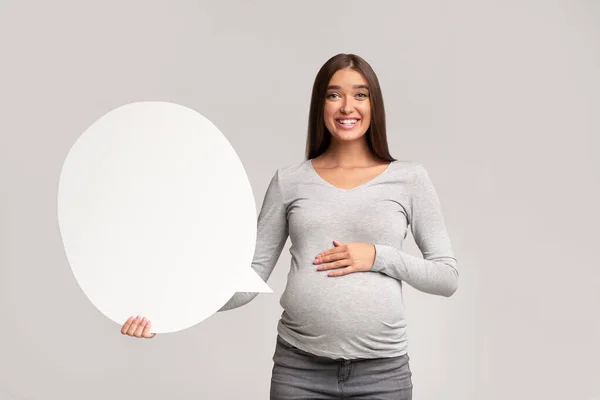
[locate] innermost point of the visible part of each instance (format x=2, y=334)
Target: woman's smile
x=347, y=123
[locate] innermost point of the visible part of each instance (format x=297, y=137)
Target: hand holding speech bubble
x=157, y=216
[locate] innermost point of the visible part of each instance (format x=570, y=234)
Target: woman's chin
x=348, y=136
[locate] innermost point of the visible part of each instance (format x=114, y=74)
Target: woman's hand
x=346, y=258
x=138, y=327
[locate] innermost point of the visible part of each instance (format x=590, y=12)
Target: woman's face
x=347, y=105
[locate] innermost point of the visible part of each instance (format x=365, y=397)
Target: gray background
x=499, y=100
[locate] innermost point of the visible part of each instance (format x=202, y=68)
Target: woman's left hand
x=346, y=258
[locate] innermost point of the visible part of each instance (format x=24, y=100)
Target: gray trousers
x=301, y=375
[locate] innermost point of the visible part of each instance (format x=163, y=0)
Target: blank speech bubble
x=157, y=216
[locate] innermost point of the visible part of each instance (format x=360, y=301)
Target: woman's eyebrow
x=336, y=87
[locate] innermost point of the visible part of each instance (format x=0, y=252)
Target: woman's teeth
x=348, y=121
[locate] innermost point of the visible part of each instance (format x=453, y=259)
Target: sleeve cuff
x=381, y=258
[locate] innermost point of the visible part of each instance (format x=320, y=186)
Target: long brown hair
x=319, y=138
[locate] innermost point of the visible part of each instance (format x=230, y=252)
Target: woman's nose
x=347, y=107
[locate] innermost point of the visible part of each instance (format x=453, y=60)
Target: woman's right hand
x=137, y=327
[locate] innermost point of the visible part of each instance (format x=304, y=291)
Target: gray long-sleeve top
x=359, y=315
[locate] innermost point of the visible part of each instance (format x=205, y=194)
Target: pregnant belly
x=358, y=306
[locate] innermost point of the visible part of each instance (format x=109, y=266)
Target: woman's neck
x=348, y=155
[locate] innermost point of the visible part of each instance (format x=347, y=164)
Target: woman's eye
x=362, y=95
x=331, y=95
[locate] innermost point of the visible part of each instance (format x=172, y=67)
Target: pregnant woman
x=346, y=209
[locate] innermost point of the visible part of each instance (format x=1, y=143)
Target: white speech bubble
x=157, y=216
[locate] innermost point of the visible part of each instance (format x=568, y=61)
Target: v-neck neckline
x=331, y=185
